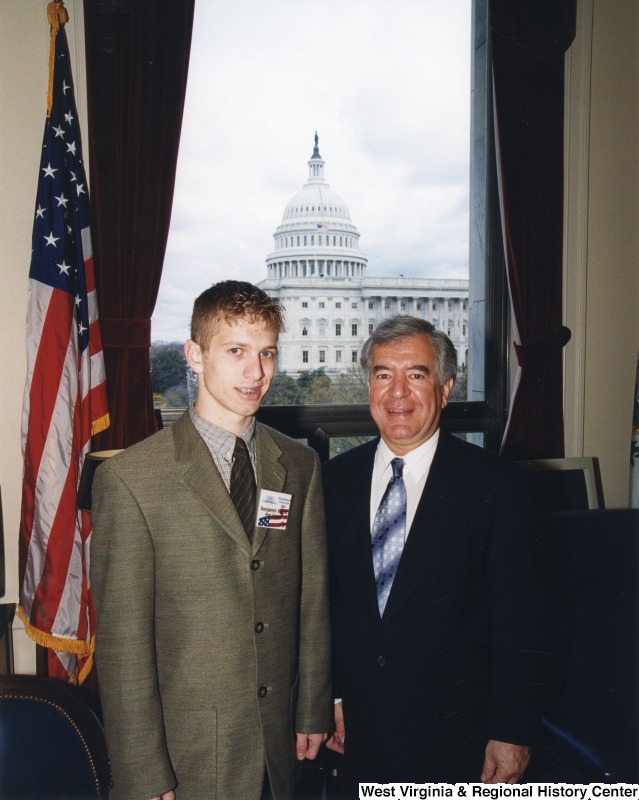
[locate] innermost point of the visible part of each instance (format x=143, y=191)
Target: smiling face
x=234, y=372
x=405, y=394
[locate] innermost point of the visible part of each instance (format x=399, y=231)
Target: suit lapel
x=356, y=526
x=271, y=473
x=202, y=478
x=435, y=514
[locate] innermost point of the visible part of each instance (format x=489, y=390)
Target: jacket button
x=381, y=661
x=262, y=691
x=259, y=627
x=255, y=564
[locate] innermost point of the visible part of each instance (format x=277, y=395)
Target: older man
x=433, y=584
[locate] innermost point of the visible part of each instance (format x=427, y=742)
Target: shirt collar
x=416, y=462
x=223, y=440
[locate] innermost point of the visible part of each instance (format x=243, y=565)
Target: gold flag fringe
x=57, y=15
x=99, y=425
x=76, y=647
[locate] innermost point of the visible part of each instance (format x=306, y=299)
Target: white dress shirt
x=416, y=468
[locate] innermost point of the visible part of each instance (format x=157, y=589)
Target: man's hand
x=504, y=763
x=336, y=742
x=307, y=745
x=166, y=796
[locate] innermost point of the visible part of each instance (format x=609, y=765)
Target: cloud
x=387, y=86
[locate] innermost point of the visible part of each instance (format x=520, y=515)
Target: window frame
x=488, y=318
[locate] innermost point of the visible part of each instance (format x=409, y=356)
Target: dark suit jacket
x=211, y=651
x=445, y=669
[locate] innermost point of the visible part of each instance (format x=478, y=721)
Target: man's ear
x=447, y=388
x=193, y=355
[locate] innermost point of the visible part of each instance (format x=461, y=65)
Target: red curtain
x=529, y=40
x=137, y=54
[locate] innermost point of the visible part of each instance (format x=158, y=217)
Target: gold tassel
x=76, y=647
x=100, y=424
x=57, y=15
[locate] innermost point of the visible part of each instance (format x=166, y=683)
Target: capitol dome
x=317, y=273
x=316, y=237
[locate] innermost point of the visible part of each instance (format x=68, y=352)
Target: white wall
x=602, y=286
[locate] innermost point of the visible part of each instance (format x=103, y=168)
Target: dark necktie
x=243, y=486
x=388, y=534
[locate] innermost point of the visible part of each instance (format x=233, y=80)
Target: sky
x=387, y=88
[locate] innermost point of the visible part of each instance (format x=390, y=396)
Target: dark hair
x=229, y=301
x=401, y=327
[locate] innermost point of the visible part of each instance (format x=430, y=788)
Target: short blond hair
x=232, y=300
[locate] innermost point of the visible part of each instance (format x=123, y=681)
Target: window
x=354, y=329
x=354, y=305
x=338, y=305
x=321, y=326
x=304, y=331
x=354, y=357
x=338, y=329
x=304, y=304
x=338, y=356
x=322, y=356
x=487, y=305
x=305, y=356
x=322, y=304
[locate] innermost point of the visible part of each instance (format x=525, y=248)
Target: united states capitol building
x=318, y=273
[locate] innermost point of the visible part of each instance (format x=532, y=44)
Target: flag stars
x=80, y=189
x=62, y=200
x=51, y=239
x=71, y=148
x=59, y=131
x=64, y=267
x=78, y=300
x=49, y=171
x=40, y=212
x=81, y=329
x=68, y=118
x=65, y=87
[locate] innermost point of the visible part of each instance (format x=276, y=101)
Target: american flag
x=276, y=519
x=65, y=393
x=322, y=228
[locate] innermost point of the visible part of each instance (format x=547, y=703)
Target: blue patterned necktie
x=389, y=531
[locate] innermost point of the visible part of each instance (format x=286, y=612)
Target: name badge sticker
x=272, y=510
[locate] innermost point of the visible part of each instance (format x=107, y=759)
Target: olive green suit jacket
x=211, y=651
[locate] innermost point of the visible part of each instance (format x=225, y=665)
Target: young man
x=212, y=639
x=433, y=584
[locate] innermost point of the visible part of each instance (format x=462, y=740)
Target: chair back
x=53, y=744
